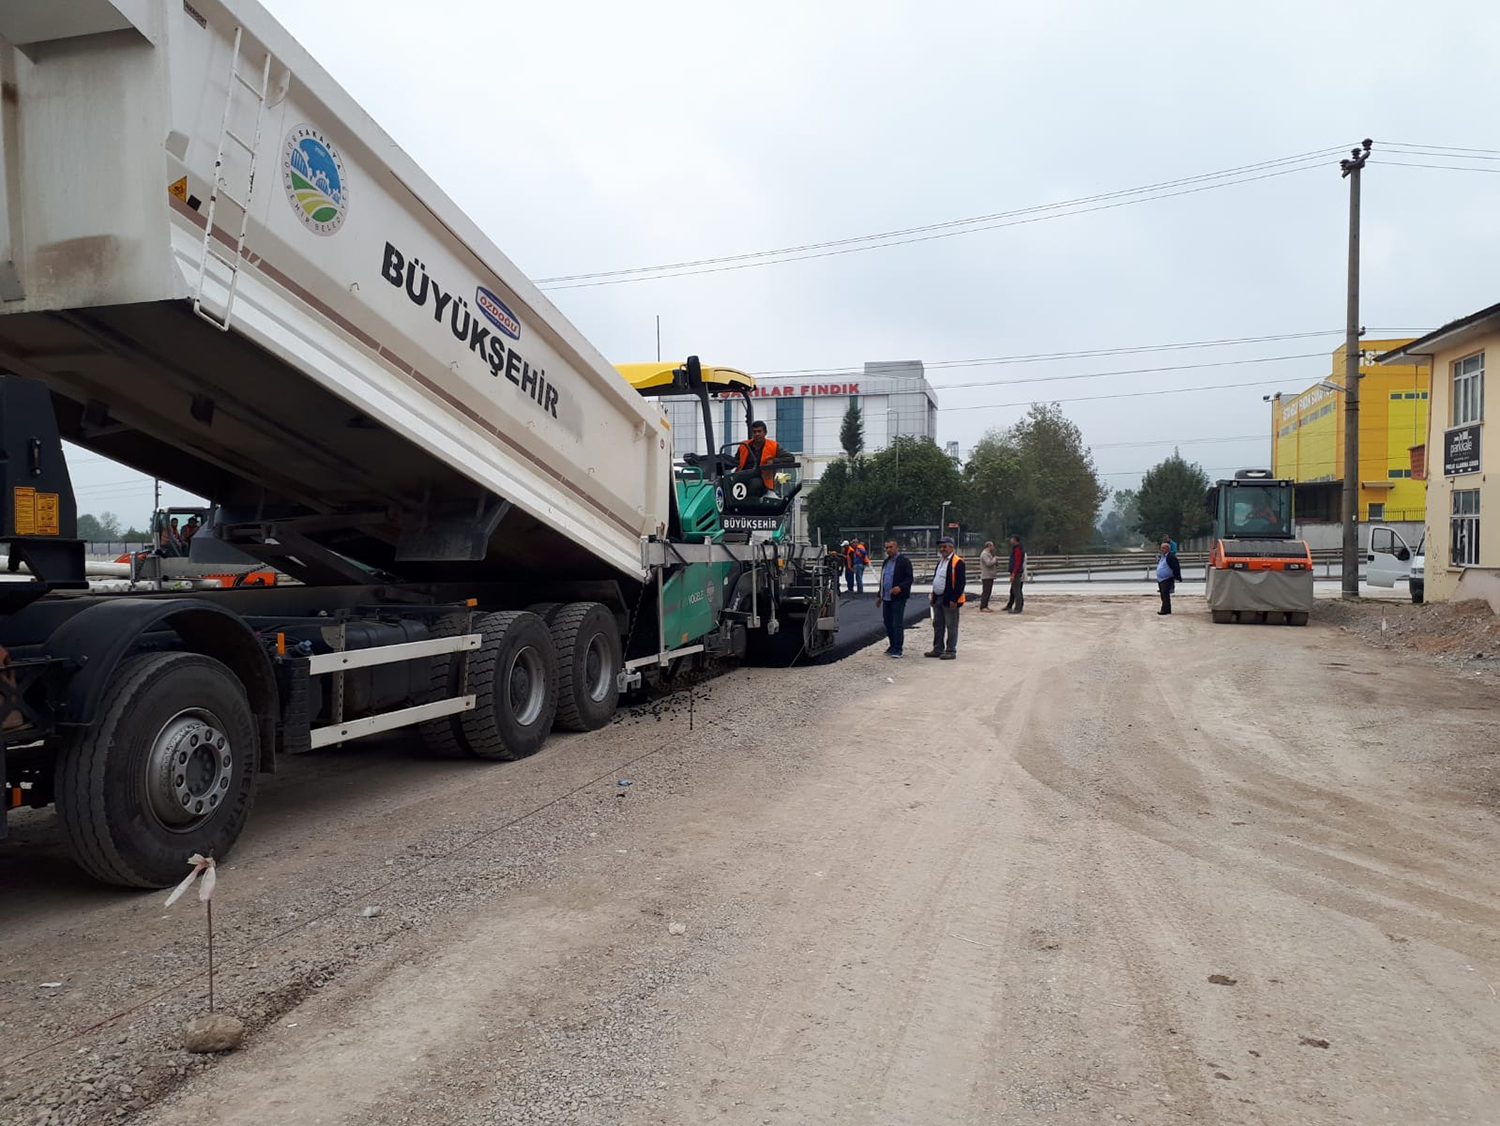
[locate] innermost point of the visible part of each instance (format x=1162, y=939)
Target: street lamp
x=943, y=520
x=895, y=440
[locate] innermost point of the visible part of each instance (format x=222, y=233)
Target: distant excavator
x=1257, y=568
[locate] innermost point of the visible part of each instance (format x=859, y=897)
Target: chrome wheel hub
x=189, y=769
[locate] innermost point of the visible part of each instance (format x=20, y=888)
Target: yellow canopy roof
x=645, y=377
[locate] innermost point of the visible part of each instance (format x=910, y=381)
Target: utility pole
x=1351, y=169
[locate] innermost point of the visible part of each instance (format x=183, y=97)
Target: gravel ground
x=1462, y=636
x=866, y=891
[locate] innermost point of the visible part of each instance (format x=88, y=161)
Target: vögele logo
x=498, y=312
x=313, y=175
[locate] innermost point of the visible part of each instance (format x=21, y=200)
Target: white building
x=805, y=413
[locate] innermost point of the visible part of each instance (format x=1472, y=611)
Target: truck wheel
x=587, y=640
x=513, y=677
x=547, y=611
x=1418, y=592
x=167, y=770
x=442, y=738
x=1223, y=617
x=1297, y=618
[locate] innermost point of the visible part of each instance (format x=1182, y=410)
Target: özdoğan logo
x=313, y=175
x=498, y=312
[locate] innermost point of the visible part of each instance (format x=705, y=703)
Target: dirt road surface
x=1105, y=867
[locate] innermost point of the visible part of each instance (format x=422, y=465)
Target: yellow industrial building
x=1307, y=439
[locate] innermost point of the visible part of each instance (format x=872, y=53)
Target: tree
x=906, y=483
x=104, y=528
x=1117, y=529
x=852, y=432
x=1003, y=501
x=1170, y=500
x=1037, y=480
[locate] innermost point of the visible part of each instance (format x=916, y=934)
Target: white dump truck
x=217, y=270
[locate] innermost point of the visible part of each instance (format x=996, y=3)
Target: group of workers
x=948, y=595
x=856, y=558
x=173, y=540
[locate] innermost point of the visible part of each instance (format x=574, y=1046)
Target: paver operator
x=758, y=450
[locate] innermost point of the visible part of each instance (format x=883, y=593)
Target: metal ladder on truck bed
x=220, y=189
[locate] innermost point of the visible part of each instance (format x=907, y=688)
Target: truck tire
x=1418, y=592
x=513, y=677
x=587, y=639
x=1296, y=618
x=166, y=770
x=1223, y=617
x=545, y=610
x=442, y=738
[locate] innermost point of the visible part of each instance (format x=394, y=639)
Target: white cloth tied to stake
x=202, y=866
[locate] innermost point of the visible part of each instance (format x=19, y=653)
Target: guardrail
x=1089, y=565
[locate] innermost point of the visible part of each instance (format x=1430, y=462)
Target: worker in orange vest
x=947, y=601
x=758, y=450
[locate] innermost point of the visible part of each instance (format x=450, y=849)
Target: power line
x=1177, y=442
x=777, y=257
x=1143, y=472
x=933, y=226
x=1477, y=155
x=856, y=370
x=1116, y=395
x=1080, y=354
x=1127, y=371
x=1452, y=148
x=1439, y=167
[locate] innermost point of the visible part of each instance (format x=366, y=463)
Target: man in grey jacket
x=988, y=564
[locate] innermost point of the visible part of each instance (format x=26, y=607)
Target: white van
x=1390, y=559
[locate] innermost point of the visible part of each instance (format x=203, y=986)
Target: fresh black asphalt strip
x=861, y=624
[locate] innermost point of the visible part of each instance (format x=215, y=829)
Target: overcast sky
x=590, y=137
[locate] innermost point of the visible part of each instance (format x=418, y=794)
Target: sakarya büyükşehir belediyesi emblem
x=314, y=179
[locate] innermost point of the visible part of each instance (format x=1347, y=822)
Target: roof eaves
x=1425, y=345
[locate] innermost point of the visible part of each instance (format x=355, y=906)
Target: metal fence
x=112, y=550
x=1117, y=565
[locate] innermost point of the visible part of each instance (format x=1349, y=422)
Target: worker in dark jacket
x=1168, y=575
x=947, y=600
x=1017, y=600
x=895, y=589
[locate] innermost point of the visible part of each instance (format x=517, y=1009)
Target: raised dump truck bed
x=349, y=346
x=216, y=269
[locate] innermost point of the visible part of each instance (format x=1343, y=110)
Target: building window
x=1465, y=528
x=789, y=425
x=1468, y=389
x=1377, y=510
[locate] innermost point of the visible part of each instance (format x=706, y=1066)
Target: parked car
x=1391, y=559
